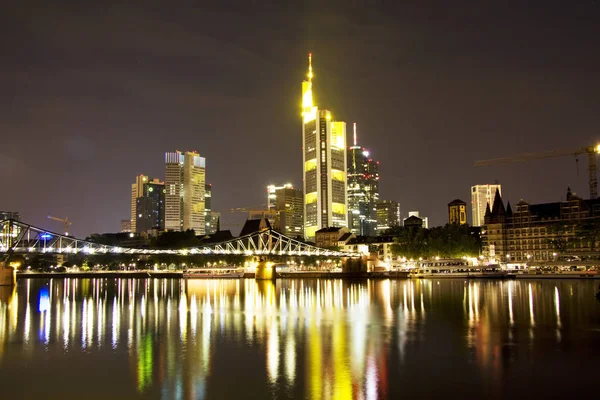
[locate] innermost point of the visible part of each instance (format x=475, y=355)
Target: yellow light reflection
x=116, y=323
x=273, y=353
x=510, y=304
x=531, y=313
x=290, y=358
x=343, y=380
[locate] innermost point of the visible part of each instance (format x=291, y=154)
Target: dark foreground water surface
x=321, y=339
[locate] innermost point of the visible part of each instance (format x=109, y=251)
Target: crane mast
x=591, y=151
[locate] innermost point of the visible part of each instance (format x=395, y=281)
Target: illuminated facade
x=272, y=194
x=125, y=225
x=150, y=208
x=287, y=202
x=211, y=217
x=324, y=165
x=457, y=212
x=291, y=216
x=363, y=190
x=137, y=190
x=481, y=196
x=147, y=204
x=185, y=177
x=541, y=232
x=388, y=215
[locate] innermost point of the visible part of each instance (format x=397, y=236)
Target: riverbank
x=550, y=275
x=101, y=274
x=343, y=275
x=285, y=275
x=179, y=275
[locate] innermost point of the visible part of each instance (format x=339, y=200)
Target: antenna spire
x=355, y=134
x=310, y=73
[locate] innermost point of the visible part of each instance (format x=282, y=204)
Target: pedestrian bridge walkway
x=20, y=237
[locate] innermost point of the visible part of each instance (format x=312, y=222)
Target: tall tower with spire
x=323, y=164
x=363, y=189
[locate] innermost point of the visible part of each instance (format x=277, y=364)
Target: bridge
x=19, y=237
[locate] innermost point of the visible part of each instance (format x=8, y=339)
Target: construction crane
x=591, y=151
x=256, y=209
x=65, y=222
x=247, y=209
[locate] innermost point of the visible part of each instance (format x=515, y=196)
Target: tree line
x=449, y=241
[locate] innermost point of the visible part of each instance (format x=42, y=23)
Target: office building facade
x=211, y=217
x=272, y=194
x=137, y=190
x=363, y=190
x=147, y=204
x=324, y=165
x=481, y=196
x=126, y=225
x=185, y=180
x=150, y=208
x=289, y=207
x=388, y=215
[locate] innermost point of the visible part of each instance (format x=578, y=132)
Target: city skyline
x=432, y=105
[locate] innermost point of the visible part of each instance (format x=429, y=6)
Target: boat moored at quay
x=453, y=268
x=212, y=273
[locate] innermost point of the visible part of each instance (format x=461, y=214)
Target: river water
x=322, y=339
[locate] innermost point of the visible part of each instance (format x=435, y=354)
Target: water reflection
x=300, y=338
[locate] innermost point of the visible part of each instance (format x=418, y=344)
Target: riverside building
x=541, y=232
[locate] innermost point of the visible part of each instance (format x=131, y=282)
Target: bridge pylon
x=8, y=274
x=265, y=270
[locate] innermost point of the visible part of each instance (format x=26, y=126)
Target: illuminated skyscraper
x=211, y=217
x=290, y=211
x=150, y=207
x=388, y=215
x=272, y=194
x=481, y=196
x=363, y=190
x=137, y=190
x=324, y=165
x=185, y=176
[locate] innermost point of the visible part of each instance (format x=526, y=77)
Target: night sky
x=93, y=95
